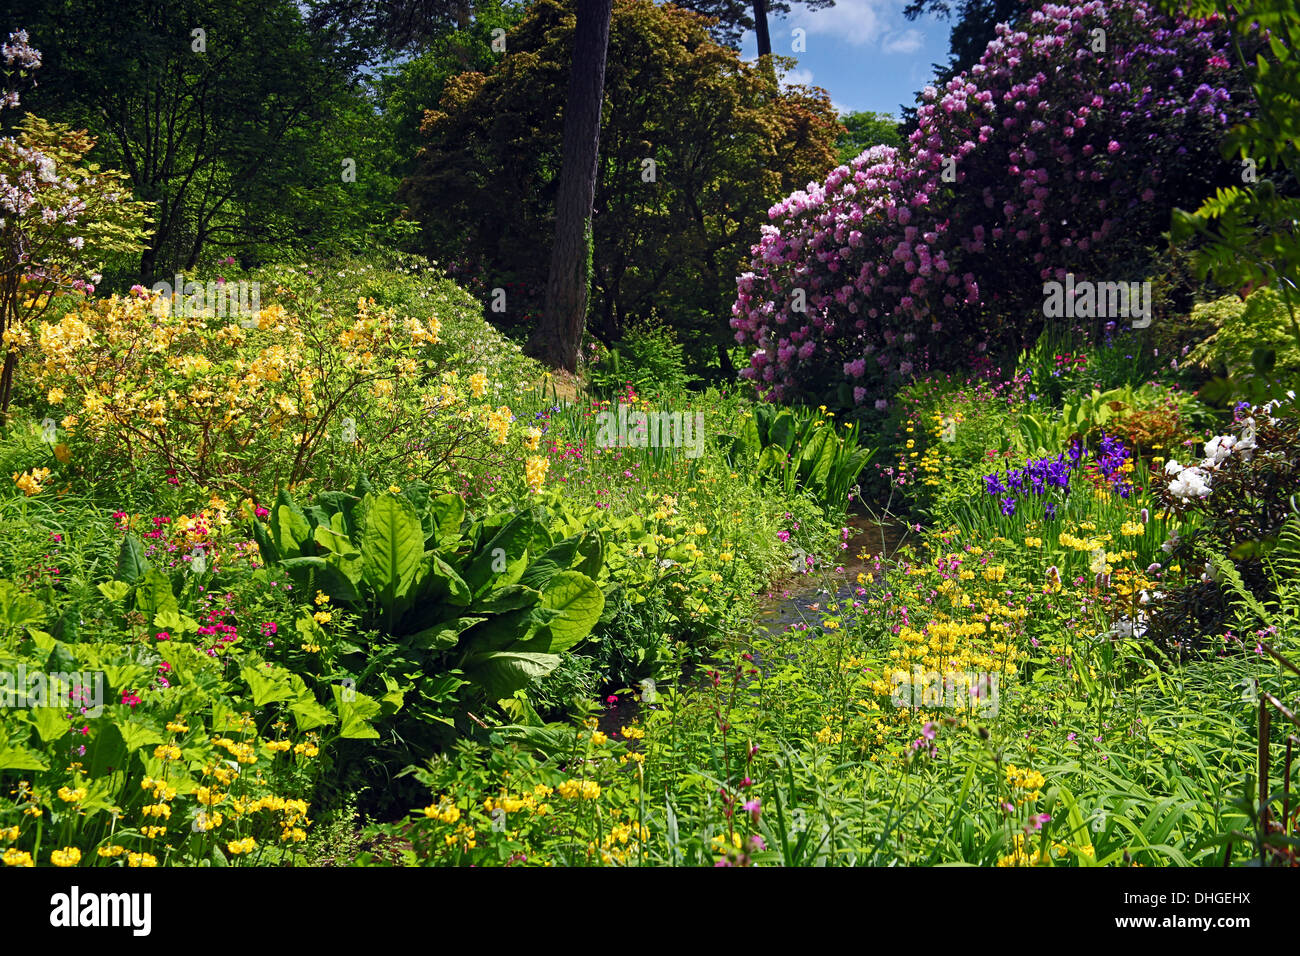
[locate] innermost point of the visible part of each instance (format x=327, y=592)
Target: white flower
x=1172, y=467
x=1217, y=450
x=1190, y=483
x=1170, y=544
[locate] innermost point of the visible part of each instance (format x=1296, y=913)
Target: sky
x=864, y=53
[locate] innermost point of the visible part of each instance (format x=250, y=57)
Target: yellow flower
x=599, y=738
x=111, y=851
x=68, y=795
x=13, y=857
x=9, y=835
x=632, y=733
x=323, y=617
x=584, y=789
x=478, y=384
x=141, y=859
x=535, y=469
x=532, y=436
x=322, y=598
x=56, y=396
x=29, y=482
x=246, y=845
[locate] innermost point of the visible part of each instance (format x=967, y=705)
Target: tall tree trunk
x=760, y=28
x=558, y=336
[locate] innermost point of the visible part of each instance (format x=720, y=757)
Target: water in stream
x=795, y=598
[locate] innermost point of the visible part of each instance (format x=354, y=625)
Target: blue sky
x=864, y=53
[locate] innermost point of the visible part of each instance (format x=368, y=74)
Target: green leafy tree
x=222, y=113
x=1247, y=234
x=863, y=130
x=695, y=146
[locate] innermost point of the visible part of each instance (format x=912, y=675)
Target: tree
x=974, y=27
x=58, y=217
x=558, y=336
x=864, y=130
x=1249, y=232
x=695, y=146
x=213, y=107
x=736, y=16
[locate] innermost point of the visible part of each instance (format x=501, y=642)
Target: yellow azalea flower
x=478, y=383
x=535, y=469
x=29, y=482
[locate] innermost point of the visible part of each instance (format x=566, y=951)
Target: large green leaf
x=50, y=722
x=321, y=574
x=501, y=673
x=579, y=601
x=500, y=556
x=290, y=528
x=446, y=513
x=136, y=734
x=441, y=637
x=392, y=547
x=267, y=685
x=153, y=593
x=131, y=562
x=18, y=609
x=355, y=712
x=512, y=597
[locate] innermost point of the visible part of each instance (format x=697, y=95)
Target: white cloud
x=799, y=77
x=903, y=41
x=856, y=22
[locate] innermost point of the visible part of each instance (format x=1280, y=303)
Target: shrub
x=1234, y=505
x=1019, y=171
x=1252, y=352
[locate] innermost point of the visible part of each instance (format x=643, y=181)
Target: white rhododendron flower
x=1190, y=483
x=1217, y=450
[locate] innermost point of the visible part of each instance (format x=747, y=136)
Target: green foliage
x=1253, y=352
x=864, y=129
x=497, y=600
x=725, y=142
x=1246, y=235
x=801, y=448
x=238, y=134
x=648, y=357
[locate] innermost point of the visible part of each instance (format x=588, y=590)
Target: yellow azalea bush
x=224, y=401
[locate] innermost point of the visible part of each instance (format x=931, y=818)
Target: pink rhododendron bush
x=1062, y=151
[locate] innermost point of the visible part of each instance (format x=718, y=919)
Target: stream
x=795, y=598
